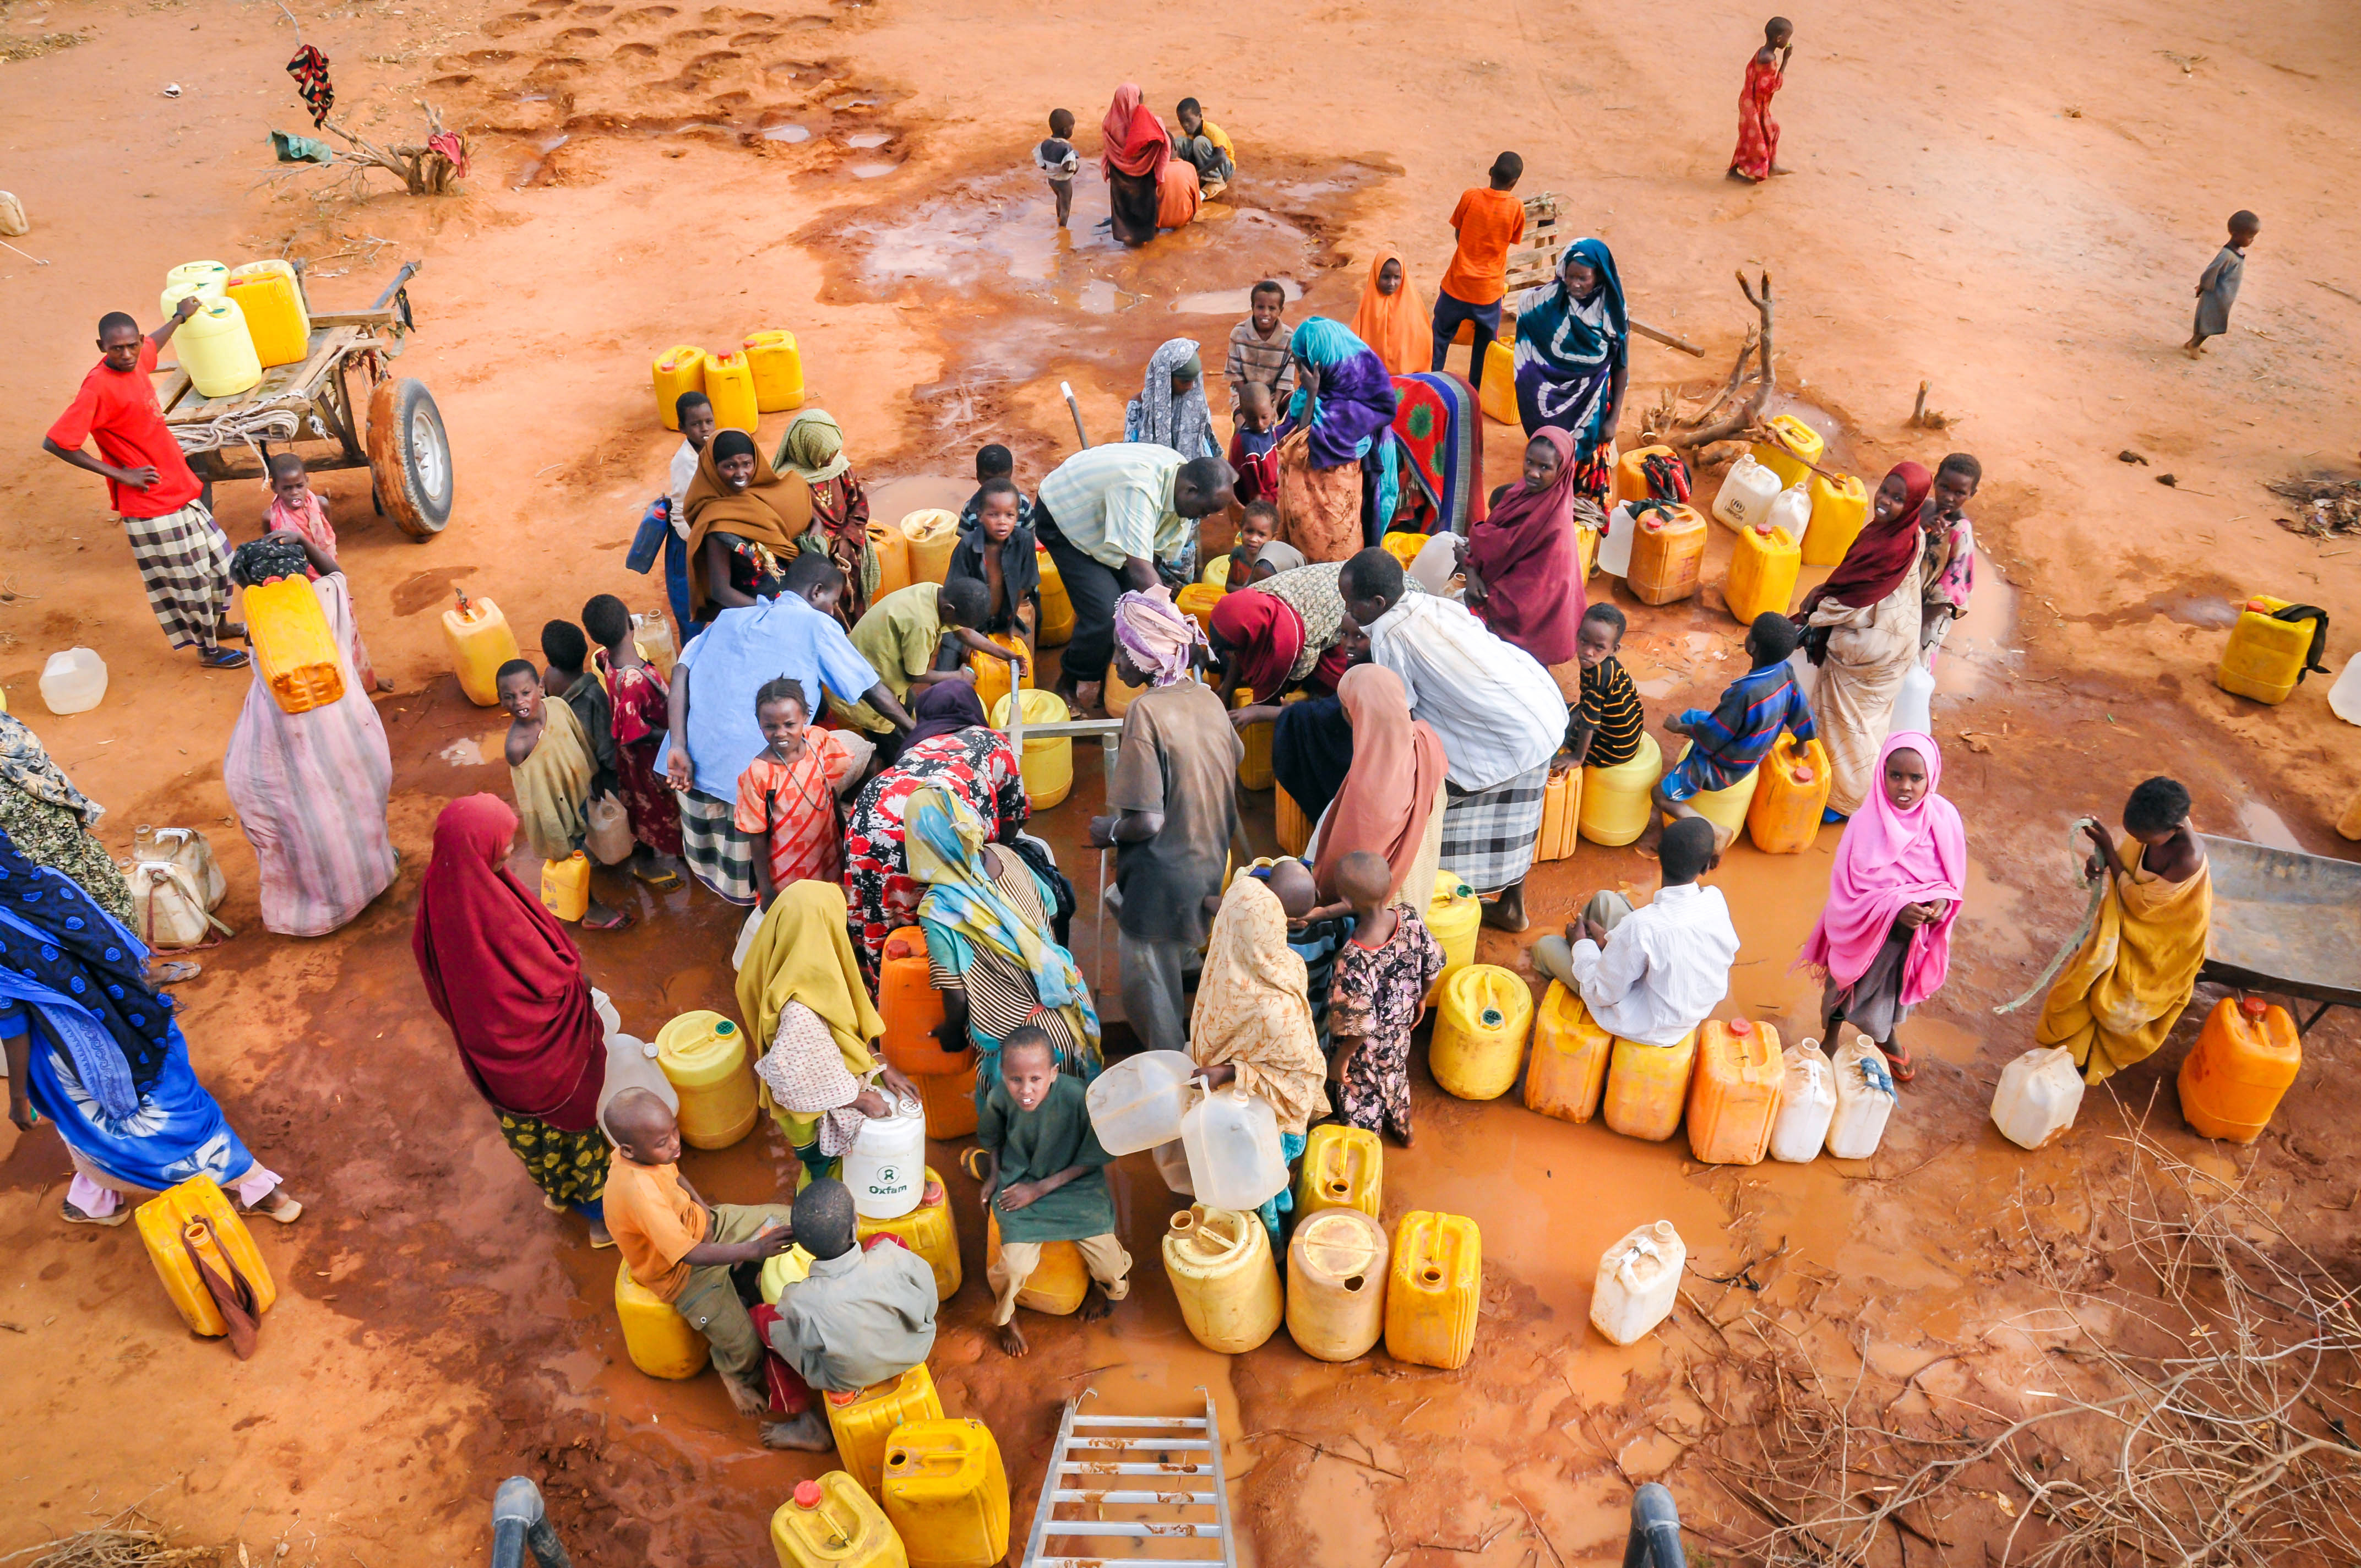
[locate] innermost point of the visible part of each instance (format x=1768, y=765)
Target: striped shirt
x=1253, y=358
x=1739, y=732
x=1610, y=710
x=1114, y=502
x=1001, y=996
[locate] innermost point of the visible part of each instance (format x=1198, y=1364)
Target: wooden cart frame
x=314, y=409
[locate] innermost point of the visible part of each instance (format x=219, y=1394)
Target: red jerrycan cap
x=1764, y=528
x=897, y=949
x=1742, y=1025
x=2253, y=1006
x=806, y=1494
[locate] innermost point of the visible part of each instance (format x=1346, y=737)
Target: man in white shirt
x=1108, y=517
x=1654, y=974
x=1498, y=712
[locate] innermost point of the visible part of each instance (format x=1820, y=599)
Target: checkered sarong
x=717, y=854
x=184, y=565
x=1489, y=837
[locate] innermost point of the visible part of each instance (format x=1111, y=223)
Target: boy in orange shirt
x=1488, y=222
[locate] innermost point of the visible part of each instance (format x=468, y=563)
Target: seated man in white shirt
x=1651, y=975
x=1498, y=713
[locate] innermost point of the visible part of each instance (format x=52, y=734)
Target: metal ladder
x=1175, y=1447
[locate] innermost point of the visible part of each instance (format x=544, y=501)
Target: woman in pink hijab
x=1883, y=941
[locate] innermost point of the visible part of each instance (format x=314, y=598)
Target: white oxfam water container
x=2038, y=1094
x=1615, y=549
x=1808, y=1103
x=1746, y=494
x=1914, y=706
x=1136, y=1103
x=886, y=1165
x=1232, y=1141
x=1865, y=1099
x=1791, y=512
x=1638, y=1281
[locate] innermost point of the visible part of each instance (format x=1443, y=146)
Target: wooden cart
x=312, y=408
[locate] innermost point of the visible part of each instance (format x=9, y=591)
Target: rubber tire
x=397, y=407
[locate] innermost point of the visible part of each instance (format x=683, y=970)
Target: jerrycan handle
x=1629, y=1261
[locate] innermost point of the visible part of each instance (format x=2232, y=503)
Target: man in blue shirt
x=795, y=634
x=1729, y=742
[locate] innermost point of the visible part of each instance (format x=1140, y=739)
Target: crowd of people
x=818, y=754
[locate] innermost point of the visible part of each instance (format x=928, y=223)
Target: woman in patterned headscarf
x=1171, y=409
x=1574, y=351
x=812, y=448
x=49, y=820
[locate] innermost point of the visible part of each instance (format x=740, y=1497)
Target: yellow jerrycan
x=703, y=1055
x=660, y=1341
x=1735, y=1092
x=2272, y=647
x=565, y=886
x=1197, y=601
x=991, y=671
x=1289, y=822
x=1343, y=1167
x=730, y=382
x=1648, y=1087
x=946, y=1494
x=1615, y=801
x=1452, y=913
x=1223, y=1274
x=217, y=351
x=1791, y=455
x=832, y=1523
x=675, y=371
x=863, y=1423
x=272, y=298
x=1479, y=1039
x=1725, y=807
x=892, y=559
x=1056, y=628
x=295, y=650
x=927, y=1230
x=1047, y=765
x=479, y=641
x=1840, y=511
x=1568, y=1070
x=192, y=1222
x=1058, y=1283
x=1336, y=1284
x=778, y=367
x=206, y=279
x=1561, y=815
x=1501, y=382
x=932, y=534
x=1433, y=1290
x=1762, y=570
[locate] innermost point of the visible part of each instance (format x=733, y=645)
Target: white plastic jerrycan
x=74, y=681
x=1136, y=1103
x=886, y=1165
x=1914, y=706
x=1808, y=1103
x=1746, y=494
x=1638, y=1281
x=1865, y=1099
x=1232, y=1141
x=1615, y=549
x=2038, y=1094
x=1791, y=512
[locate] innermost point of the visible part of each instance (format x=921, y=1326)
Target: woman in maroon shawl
x=1136, y=149
x=507, y=978
x=1523, y=566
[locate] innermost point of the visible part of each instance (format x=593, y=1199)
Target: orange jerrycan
x=1057, y=1285
x=1336, y=1269
x=1734, y=1093
x=2273, y=646
x=865, y=1422
x=730, y=382
x=946, y=1494
x=1762, y=573
x=927, y=1230
x=294, y=650
x=2246, y=1056
x=1840, y=511
x=1790, y=794
x=1288, y=821
x=1630, y=483
x=1647, y=1087
x=660, y=1341
x=1056, y=628
x=272, y=298
x=778, y=367
x=192, y=1223
x=703, y=1055
x=912, y=1009
x=948, y=1100
x=675, y=371
x=1667, y=555
x=1561, y=815
x=1568, y=1070
x=892, y=549
x=479, y=641
x=832, y=1523
x=1479, y=1038
x=1436, y=1287
x=1343, y=1167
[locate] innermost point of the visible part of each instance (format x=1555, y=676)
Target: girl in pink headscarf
x=1883, y=941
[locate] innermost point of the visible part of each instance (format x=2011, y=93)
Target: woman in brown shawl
x=744, y=522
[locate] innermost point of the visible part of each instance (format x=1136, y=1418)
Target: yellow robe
x=1253, y=1011
x=553, y=784
x=802, y=952
x=2120, y=997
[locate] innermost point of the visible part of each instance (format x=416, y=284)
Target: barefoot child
x=681, y=1247
x=787, y=795
x=638, y=717
x=1058, y=160
x=1727, y=743
x=996, y=550
x=297, y=507
x=1258, y=350
x=1757, y=158
x=1254, y=443
x=1949, y=575
x=550, y=770
x=1048, y=1183
x=1379, y=994
x=2217, y=291
x=1604, y=728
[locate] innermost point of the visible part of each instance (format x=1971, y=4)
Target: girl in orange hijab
x=1391, y=318
x=1388, y=803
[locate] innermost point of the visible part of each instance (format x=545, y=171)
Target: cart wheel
x=410, y=458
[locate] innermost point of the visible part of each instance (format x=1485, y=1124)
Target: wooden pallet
x=1535, y=262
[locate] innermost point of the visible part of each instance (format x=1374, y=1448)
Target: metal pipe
x=520, y=1522
x=1655, y=1538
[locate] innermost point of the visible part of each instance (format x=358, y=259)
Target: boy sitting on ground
x=1379, y=994
x=551, y=771
x=1604, y=729
x=857, y=1318
x=1206, y=147
x=1651, y=975
x=1731, y=741
x=916, y=637
x=1048, y=1182
x=682, y=1248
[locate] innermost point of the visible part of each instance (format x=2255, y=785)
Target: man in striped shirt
x=1730, y=742
x=1259, y=349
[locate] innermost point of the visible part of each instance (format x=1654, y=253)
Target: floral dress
x=641, y=706
x=1377, y=995
x=880, y=895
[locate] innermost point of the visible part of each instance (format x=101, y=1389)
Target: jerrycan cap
x=725, y=1028
x=2253, y=1006
x=1742, y=1025
x=1494, y=1018
x=897, y=949
x=806, y=1494
x=2259, y=607
x=1764, y=528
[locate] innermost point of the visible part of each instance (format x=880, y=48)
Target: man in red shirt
x=182, y=555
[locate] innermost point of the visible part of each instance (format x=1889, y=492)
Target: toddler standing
x=1056, y=159
x=2217, y=291
x=1377, y=998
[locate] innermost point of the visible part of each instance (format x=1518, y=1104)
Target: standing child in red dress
x=641, y=704
x=1757, y=158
